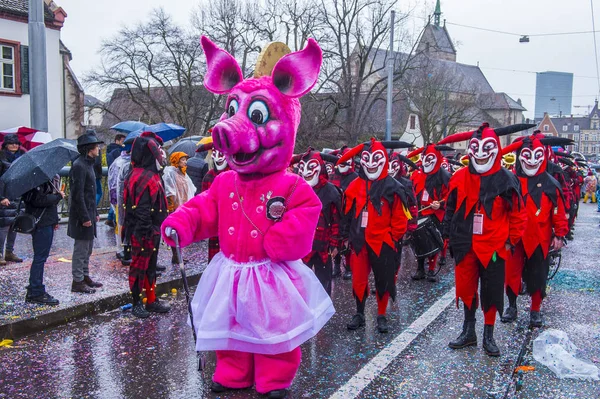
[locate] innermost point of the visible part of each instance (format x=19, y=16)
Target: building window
x=413, y=122
x=576, y=127
x=586, y=137
x=546, y=128
x=595, y=125
x=565, y=128
x=7, y=68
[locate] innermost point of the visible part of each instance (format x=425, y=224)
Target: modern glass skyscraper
x=553, y=93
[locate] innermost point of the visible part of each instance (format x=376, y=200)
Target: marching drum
x=426, y=239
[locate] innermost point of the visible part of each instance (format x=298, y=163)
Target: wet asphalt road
x=114, y=355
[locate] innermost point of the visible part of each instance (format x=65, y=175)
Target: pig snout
x=236, y=135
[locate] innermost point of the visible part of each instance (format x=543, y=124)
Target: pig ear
x=296, y=73
x=222, y=70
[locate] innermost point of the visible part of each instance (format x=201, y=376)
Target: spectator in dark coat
x=83, y=214
x=41, y=203
x=113, y=151
x=197, y=167
x=11, y=150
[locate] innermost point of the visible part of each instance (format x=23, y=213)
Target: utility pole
x=388, y=122
x=38, y=78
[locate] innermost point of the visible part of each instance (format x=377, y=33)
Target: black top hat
x=89, y=137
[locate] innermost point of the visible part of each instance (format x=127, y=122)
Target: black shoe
x=160, y=268
x=431, y=276
x=442, y=262
x=382, y=325
x=337, y=270
x=109, y=223
x=217, y=388
x=569, y=236
x=347, y=275
x=489, y=343
x=358, y=320
x=81, y=287
x=139, y=311
x=44, y=299
x=277, y=394
x=91, y=283
x=126, y=262
x=467, y=337
x=509, y=315
x=420, y=274
x=158, y=307
x=523, y=288
x=535, y=319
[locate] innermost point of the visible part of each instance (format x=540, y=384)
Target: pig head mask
x=257, y=131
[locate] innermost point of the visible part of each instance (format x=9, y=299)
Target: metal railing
x=63, y=206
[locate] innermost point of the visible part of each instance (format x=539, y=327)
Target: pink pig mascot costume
x=256, y=302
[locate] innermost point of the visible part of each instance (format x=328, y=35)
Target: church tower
x=435, y=41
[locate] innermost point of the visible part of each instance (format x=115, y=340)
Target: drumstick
x=429, y=206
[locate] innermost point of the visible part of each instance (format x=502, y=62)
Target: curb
x=22, y=328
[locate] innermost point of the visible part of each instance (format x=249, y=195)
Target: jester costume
x=145, y=210
x=546, y=225
x=398, y=169
x=484, y=219
x=431, y=188
x=343, y=175
x=219, y=166
x=312, y=168
x=375, y=218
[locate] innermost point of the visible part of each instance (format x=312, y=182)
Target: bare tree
x=441, y=97
x=355, y=69
x=155, y=65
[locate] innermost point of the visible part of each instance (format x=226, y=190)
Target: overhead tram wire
x=520, y=34
x=595, y=45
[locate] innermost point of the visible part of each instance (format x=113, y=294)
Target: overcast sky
x=89, y=22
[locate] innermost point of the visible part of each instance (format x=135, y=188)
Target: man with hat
x=11, y=150
x=83, y=214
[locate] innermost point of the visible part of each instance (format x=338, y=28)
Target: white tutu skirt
x=261, y=307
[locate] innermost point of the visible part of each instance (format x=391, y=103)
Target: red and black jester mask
x=312, y=166
x=373, y=157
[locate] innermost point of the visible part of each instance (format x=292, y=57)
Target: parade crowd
x=498, y=211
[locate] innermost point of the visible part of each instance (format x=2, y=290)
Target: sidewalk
x=18, y=318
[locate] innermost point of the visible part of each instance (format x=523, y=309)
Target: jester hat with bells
x=484, y=146
x=374, y=168
x=348, y=166
x=532, y=163
x=431, y=156
x=399, y=165
x=312, y=167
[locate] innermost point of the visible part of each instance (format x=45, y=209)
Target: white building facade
x=63, y=88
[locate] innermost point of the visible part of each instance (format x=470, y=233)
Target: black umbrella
x=187, y=145
x=37, y=166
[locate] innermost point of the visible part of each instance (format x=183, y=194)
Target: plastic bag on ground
x=554, y=350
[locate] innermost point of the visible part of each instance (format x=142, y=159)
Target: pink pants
x=269, y=372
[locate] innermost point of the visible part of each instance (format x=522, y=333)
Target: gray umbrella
x=187, y=145
x=37, y=166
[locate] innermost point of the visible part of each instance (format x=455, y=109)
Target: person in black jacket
x=197, y=167
x=41, y=203
x=113, y=151
x=83, y=214
x=11, y=150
